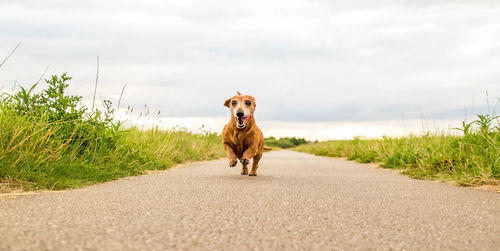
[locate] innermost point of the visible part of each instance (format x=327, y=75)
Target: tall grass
x=49, y=140
x=472, y=158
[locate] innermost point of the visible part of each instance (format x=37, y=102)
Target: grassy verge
x=470, y=159
x=48, y=140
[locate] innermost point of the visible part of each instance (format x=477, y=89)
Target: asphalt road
x=298, y=201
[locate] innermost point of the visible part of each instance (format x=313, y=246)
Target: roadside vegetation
x=49, y=140
x=471, y=158
x=285, y=142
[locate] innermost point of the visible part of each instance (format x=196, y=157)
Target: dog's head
x=242, y=108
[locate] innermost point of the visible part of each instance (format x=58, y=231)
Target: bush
x=284, y=142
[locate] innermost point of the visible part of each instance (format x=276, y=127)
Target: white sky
x=315, y=66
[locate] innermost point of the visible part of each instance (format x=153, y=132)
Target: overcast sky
x=320, y=61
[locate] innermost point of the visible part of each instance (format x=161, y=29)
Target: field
x=472, y=158
x=49, y=140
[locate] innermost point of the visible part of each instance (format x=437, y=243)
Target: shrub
x=284, y=142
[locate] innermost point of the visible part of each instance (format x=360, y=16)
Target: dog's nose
x=240, y=114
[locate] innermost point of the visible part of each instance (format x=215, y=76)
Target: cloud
x=302, y=60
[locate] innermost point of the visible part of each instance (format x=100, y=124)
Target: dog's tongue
x=247, y=118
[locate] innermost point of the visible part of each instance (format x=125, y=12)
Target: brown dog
x=241, y=137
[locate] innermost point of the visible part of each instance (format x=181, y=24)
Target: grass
x=49, y=140
x=472, y=158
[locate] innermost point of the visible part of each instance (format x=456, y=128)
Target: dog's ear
x=227, y=102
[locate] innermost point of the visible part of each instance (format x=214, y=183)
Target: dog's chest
x=241, y=144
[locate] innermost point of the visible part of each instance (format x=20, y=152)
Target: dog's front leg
x=248, y=154
x=230, y=155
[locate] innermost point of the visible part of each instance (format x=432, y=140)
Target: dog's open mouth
x=241, y=122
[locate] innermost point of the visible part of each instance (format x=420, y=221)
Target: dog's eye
x=233, y=102
x=248, y=102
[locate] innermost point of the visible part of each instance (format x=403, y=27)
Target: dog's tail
x=268, y=148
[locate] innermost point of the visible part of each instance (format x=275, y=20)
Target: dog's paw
x=232, y=163
x=245, y=161
x=252, y=174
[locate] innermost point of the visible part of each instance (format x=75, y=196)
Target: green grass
x=48, y=140
x=472, y=158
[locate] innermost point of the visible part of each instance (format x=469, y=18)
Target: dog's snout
x=240, y=114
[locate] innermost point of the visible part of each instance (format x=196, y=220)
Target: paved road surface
x=298, y=201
